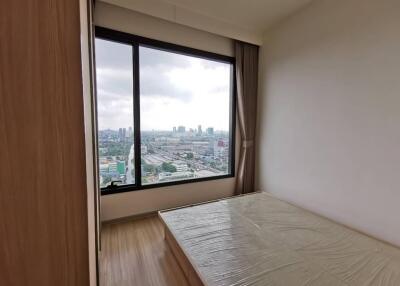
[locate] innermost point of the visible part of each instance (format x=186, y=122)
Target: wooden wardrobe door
x=43, y=197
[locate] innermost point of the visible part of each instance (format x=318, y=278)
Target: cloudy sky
x=175, y=89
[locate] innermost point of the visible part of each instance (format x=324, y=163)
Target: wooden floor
x=135, y=253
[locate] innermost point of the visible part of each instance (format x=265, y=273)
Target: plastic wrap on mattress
x=260, y=240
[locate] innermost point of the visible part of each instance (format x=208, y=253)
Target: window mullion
x=136, y=114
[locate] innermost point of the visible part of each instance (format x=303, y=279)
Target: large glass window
x=184, y=116
x=183, y=99
x=114, y=77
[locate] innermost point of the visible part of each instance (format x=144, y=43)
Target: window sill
x=133, y=188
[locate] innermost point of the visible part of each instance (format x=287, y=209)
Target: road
x=129, y=178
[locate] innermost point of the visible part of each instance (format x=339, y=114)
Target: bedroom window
x=165, y=113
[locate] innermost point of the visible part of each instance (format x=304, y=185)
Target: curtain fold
x=246, y=85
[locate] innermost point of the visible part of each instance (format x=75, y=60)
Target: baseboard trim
x=130, y=218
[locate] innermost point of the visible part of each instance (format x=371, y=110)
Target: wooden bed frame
x=188, y=269
x=366, y=253
x=191, y=273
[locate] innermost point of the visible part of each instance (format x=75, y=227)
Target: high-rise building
x=121, y=133
x=210, y=131
x=181, y=129
x=174, y=129
x=199, y=131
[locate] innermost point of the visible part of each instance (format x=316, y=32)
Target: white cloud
x=176, y=90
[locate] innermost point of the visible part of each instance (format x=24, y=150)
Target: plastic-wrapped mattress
x=260, y=240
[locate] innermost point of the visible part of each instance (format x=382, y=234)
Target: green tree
x=106, y=180
x=189, y=156
x=148, y=168
x=168, y=167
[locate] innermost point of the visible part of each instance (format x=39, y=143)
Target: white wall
x=121, y=19
x=329, y=120
x=189, y=18
x=132, y=203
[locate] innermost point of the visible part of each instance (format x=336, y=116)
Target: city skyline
x=204, y=129
x=166, y=156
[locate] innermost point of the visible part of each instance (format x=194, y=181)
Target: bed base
x=189, y=271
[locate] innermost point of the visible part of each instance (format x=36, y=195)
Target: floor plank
x=135, y=253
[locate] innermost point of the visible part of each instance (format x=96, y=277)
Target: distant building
x=121, y=133
x=210, y=131
x=162, y=177
x=113, y=167
x=174, y=129
x=103, y=168
x=180, y=166
x=221, y=149
x=199, y=131
x=211, y=144
x=181, y=129
x=143, y=149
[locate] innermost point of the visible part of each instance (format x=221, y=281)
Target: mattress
x=260, y=240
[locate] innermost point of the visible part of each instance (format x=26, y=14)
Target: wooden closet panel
x=43, y=211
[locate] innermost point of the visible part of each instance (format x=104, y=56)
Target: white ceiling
x=253, y=14
x=245, y=20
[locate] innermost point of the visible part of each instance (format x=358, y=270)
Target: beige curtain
x=246, y=83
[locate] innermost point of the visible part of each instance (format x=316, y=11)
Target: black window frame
x=138, y=41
